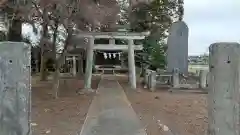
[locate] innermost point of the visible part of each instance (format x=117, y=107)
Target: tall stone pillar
x=223, y=97
x=88, y=73
x=131, y=64
x=15, y=89
x=177, y=51
x=74, y=66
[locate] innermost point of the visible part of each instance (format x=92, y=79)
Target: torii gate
x=112, y=46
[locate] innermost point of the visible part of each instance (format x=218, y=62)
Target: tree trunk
x=60, y=61
x=37, y=63
x=80, y=66
x=15, y=30
x=56, y=82
x=57, y=70
x=142, y=73
x=3, y=28
x=43, y=72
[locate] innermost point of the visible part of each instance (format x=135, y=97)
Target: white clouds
x=211, y=21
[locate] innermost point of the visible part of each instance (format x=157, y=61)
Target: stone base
x=179, y=90
x=85, y=91
x=152, y=89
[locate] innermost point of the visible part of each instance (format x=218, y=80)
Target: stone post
x=131, y=64
x=203, y=79
x=145, y=80
x=176, y=78
x=88, y=71
x=152, y=81
x=74, y=66
x=15, y=89
x=223, y=96
x=112, y=41
x=122, y=60
x=197, y=72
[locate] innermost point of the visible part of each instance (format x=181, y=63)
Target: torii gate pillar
x=88, y=73
x=112, y=46
x=131, y=64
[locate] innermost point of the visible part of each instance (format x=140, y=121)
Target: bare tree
x=64, y=13
x=86, y=15
x=94, y=15
x=70, y=14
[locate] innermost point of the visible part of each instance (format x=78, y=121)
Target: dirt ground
x=183, y=113
x=62, y=116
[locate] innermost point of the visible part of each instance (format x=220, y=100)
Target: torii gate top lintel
x=113, y=35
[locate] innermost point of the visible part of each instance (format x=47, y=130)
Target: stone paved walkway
x=111, y=113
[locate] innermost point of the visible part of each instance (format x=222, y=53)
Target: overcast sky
x=211, y=21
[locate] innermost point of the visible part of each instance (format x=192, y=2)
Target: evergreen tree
x=156, y=17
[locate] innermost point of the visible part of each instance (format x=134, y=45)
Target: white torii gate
x=112, y=46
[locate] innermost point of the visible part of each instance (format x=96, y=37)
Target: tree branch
x=37, y=9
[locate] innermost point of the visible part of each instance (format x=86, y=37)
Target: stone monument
x=177, y=52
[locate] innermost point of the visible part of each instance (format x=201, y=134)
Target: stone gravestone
x=15, y=88
x=177, y=52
